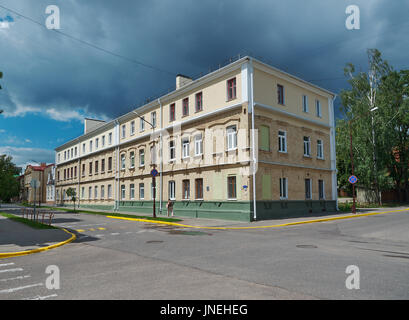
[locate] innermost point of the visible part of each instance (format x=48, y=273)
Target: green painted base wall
x=267, y=210
x=229, y=210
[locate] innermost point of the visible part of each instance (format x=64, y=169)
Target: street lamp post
x=352, y=154
x=154, y=165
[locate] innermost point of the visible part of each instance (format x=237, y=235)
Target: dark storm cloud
x=45, y=70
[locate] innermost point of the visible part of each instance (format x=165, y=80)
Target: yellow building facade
x=210, y=161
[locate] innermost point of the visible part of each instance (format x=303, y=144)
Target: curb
x=22, y=253
x=260, y=227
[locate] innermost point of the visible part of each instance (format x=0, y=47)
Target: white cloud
x=24, y=156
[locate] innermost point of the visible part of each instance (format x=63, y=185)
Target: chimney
x=43, y=164
x=92, y=124
x=182, y=80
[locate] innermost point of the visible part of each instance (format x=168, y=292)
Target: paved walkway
x=202, y=222
x=16, y=236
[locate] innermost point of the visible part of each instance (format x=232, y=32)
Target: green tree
x=394, y=98
x=73, y=194
x=376, y=110
x=9, y=186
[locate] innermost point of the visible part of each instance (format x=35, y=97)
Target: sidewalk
x=18, y=237
x=210, y=223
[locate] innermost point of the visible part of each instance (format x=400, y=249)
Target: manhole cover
x=306, y=246
x=154, y=241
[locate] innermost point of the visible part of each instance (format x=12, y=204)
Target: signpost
x=34, y=185
x=154, y=173
x=352, y=180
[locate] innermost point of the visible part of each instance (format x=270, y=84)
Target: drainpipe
x=161, y=159
x=116, y=180
x=251, y=100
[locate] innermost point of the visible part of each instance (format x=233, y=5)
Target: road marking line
x=21, y=288
x=6, y=264
x=114, y=234
x=16, y=278
x=261, y=227
x=41, y=298
x=11, y=270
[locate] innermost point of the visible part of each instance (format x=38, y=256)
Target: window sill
x=231, y=99
x=307, y=156
x=320, y=158
x=232, y=199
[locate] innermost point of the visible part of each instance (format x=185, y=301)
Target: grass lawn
x=347, y=206
x=31, y=223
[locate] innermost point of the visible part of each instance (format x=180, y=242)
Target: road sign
x=154, y=172
x=352, y=179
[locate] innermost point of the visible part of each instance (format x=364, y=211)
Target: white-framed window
x=308, y=194
x=103, y=141
x=185, y=148
x=90, y=146
x=83, y=148
x=75, y=151
x=96, y=143
x=110, y=138
x=132, y=158
x=89, y=192
x=123, y=130
x=320, y=149
x=96, y=192
x=172, y=150
x=198, y=145
x=123, y=161
x=282, y=141
x=102, y=192
x=231, y=188
x=141, y=191
x=122, y=192
x=307, y=146
x=318, y=108
x=321, y=189
x=142, y=124
x=153, y=119
x=283, y=188
x=186, y=189
x=132, y=191
x=82, y=193
x=231, y=138
x=109, y=191
x=58, y=156
x=305, y=103
x=141, y=157
x=132, y=127
x=172, y=190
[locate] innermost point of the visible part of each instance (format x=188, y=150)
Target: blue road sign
x=154, y=172
x=352, y=179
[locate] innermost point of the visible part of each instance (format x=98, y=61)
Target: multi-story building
x=41, y=193
x=211, y=162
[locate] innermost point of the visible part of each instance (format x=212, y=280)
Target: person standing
x=169, y=205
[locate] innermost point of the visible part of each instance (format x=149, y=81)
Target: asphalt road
x=116, y=259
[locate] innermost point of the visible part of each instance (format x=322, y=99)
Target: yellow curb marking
x=260, y=227
x=22, y=253
x=80, y=230
x=91, y=229
x=101, y=228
